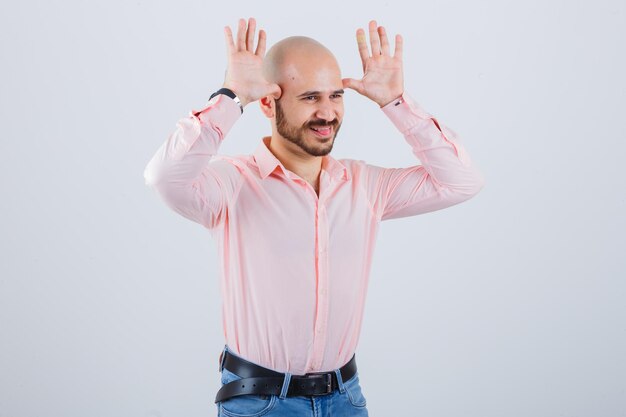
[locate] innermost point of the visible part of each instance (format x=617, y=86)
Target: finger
x=398, y=51
x=362, y=43
x=260, y=48
x=356, y=85
x=241, y=35
x=250, y=34
x=228, y=34
x=374, y=40
x=384, y=42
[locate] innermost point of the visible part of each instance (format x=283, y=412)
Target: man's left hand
x=382, y=79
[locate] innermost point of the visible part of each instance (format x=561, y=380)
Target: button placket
x=321, y=319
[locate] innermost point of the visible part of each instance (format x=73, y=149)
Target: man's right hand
x=244, y=74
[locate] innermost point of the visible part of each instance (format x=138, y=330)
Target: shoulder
x=358, y=167
x=239, y=161
x=233, y=163
x=352, y=164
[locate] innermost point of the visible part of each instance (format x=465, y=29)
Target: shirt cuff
x=405, y=113
x=221, y=112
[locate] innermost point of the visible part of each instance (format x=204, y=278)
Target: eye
x=336, y=96
x=308, y=97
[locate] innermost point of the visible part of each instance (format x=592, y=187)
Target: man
x=295, y=227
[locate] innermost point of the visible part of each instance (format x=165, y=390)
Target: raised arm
x=183, y=171
x=446, y=176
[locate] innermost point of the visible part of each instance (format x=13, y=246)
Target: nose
x=326, y=111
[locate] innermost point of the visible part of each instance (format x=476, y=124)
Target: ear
x=268, y=106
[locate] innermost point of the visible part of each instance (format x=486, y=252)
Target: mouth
x=322, y=131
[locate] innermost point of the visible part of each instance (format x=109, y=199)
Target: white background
x=510, y=304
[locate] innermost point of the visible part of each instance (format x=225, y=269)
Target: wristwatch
x=228, y=92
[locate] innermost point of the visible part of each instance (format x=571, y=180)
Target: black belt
x=258, y=380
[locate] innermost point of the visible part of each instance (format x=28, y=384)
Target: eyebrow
x=315, y=93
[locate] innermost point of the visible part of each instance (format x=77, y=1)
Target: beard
x=297, y=135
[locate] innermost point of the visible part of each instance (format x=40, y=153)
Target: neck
x=295, y=159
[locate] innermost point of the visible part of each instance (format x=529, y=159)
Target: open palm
x=382, y=79
x=244, y=74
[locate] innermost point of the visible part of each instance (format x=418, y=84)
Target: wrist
x=232, y=94
x=389, y=100
x=238, y=92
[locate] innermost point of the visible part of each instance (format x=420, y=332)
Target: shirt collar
x=267, y=163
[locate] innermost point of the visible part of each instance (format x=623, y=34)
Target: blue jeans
x=346, y=401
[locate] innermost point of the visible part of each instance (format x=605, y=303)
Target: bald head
x=296, y=57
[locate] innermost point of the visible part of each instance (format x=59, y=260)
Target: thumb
x=275, y=91
x=356, y=85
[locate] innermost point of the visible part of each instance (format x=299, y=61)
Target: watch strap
x=230, y=93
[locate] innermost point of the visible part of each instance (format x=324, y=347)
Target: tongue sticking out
x=322, y=130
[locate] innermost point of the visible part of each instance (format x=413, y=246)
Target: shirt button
x=323, y=291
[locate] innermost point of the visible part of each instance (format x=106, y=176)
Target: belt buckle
x=328, y=382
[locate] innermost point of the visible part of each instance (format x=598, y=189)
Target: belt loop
x=286, y=381
x=223, y=357
x=339, y=380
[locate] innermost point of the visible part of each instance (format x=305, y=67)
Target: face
x=316, y=136
x=310, y=110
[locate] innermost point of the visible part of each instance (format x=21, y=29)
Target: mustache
x=323, y=123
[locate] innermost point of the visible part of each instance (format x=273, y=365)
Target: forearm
x=436, y=146
x=187, y=150
x=180, y=171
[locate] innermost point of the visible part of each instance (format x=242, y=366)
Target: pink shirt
x=294, y=267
